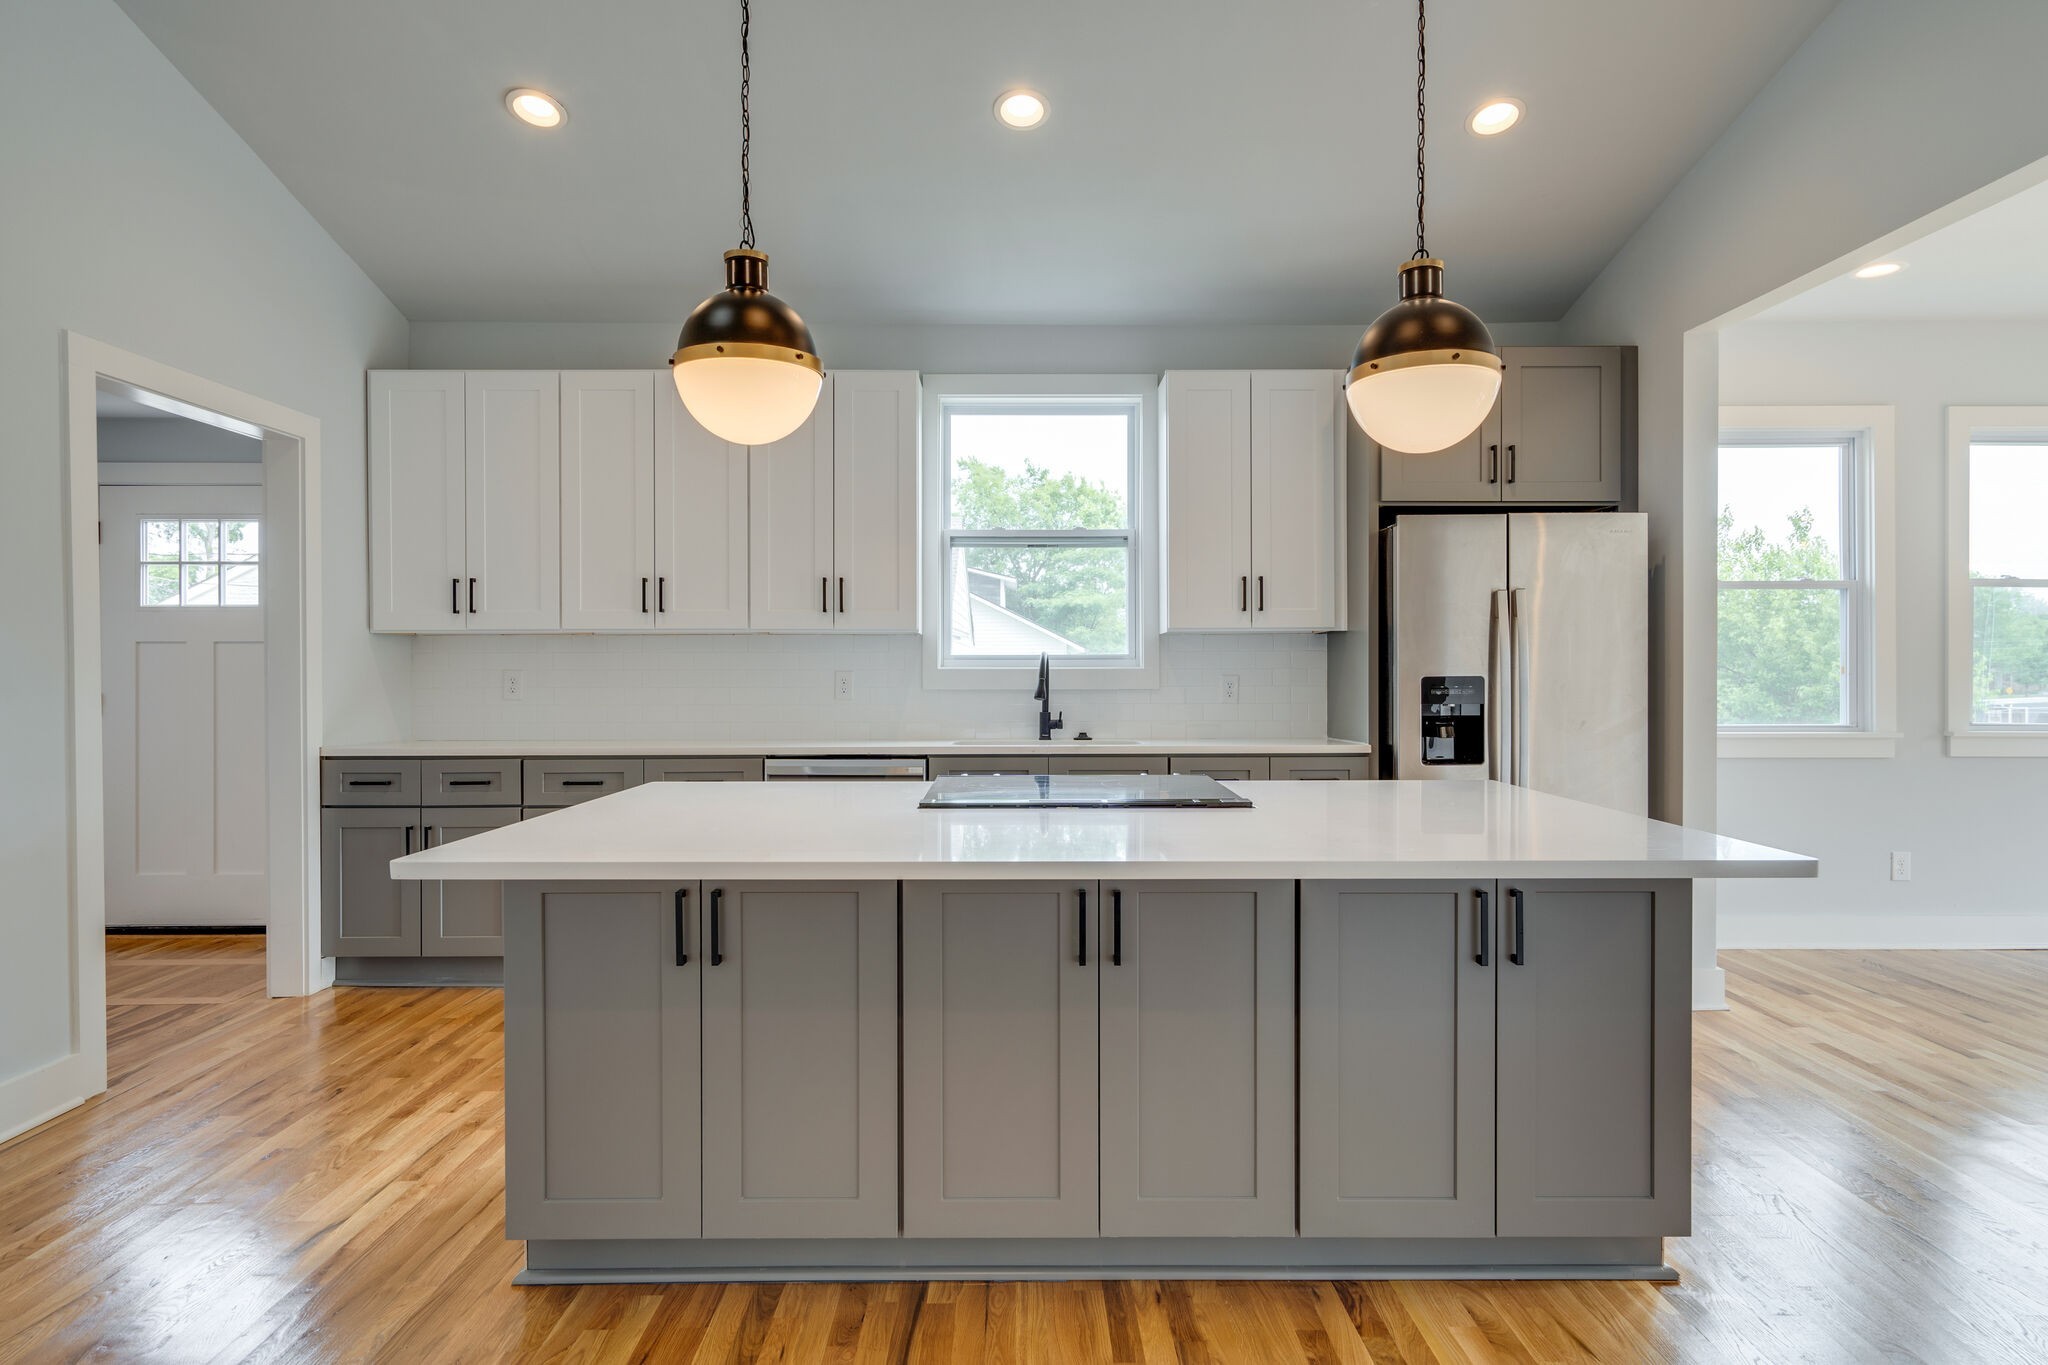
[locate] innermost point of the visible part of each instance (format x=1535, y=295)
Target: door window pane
x=1040, y=599
x=160, y=539
x=2008, y=655
x=1781, y=512
x=159, y=585
x=202, y=585
x=1780, y=657
x=202, y=542
x=2008, y=496
x=238, y=540
x=238, y=585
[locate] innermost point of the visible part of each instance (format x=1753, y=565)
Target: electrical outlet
x=512, y=685
x=1902, y=867
x=1230, y=687
x=842, y=685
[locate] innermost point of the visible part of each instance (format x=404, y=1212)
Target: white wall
x=135, y=216
x=1980, y=871
x=1889, y=115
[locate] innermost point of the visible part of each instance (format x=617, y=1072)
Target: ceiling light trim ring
x=1513, y=120
x=519, y=92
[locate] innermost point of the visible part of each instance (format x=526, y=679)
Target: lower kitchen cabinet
x=363, y=911
x=1226, y=767
x=999, y=1059
x=1197, y=1055
x=1320, y=768
x=984, y=765
x=462, y=919
x=1595, y=1059
x=800, y=1044
x=601, y=1060
x=1397, y=1059
x=1110, y=765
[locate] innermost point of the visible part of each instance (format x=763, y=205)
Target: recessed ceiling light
x=536, y=107
x=1495, y=116
x=1877, y=270
x=1020, y=109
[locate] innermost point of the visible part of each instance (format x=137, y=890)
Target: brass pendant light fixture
x=1426, y=372
x=745, y=365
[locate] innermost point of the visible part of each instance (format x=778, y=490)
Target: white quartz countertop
x=818, y=831
x=636, y=748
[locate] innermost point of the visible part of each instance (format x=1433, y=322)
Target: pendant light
x=1426, y=372
x=745, y=365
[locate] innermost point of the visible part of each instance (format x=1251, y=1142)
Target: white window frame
x=1056, y=392
x=1871, y=638
x=1966, y=426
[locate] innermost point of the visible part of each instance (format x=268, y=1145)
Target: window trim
x=1967, y=426
x=1869, y=578
x=1056, y=392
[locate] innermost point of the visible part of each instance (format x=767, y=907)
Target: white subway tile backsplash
x=779, y=687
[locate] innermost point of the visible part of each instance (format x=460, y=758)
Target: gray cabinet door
x=469, y=782
x=800, y=1059
x=1320, y=768
x=364, y=912
x=1197, y=1027
x=1595, y=1052
x=1561, y=439
x=462, y=919
x=1397, y=1059
x=1115, y=765
x=1469, y=471
x=369, y=782
x=702, y=769
x=1225, y=767
x=570, y=781
x=999, y=1063
x=601, y=1057
x=984, y=765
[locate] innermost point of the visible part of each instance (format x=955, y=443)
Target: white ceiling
x=1991, y=266
x=1205, y=160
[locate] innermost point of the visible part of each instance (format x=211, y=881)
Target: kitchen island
x=1361, y=1029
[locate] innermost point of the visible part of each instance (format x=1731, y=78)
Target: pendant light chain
x=1421, y=125
x=746, y=129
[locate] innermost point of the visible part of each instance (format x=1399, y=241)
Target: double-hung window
x=1802, y=648
x=1998, y=556
x=1039, y=523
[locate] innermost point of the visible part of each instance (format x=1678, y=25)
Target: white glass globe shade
x=747, y=400
x=1421, y=409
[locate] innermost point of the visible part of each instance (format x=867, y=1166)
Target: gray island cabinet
x=1061, y=1043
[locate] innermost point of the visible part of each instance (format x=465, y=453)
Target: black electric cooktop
x=1081, y=791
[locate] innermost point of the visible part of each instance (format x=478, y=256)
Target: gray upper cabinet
x=999, y=1059
x=1197, y=1047
x=363, y=911
x=800, y=1059
x=462, y=919
x=601, y=1092
x=1595, y=1036
x=1555, y=437
x=1397, y=1059
x=702, y=769
x=1110, y=765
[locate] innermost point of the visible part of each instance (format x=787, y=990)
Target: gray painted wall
x=1978, y=872
x=135, y=216
x=172, y=440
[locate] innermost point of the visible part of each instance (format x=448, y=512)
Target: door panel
x=800, y=1060
x=418, y=500
x=607, y=499
x=1561, y=424
x=789, y=515
x=700, y=521
x=875, y=429
x=462, y=919
x=514, y=495
x=1197, y=1087
x=999, y=1060
x=1297, y=513
x=1205, y=499
x=364, y=911
x=1397, y=1059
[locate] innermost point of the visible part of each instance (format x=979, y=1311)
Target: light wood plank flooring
x=321, y=1179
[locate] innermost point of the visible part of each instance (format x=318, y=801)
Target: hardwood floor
x=321, y=1179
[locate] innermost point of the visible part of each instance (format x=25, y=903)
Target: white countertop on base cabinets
x=715, y=748
x=1302, y=830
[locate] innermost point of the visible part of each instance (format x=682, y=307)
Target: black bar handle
x=1262, y=592
x=408, y=838
x=1493, y=464
x=472, y=597
x=661, y=594
x=643, y=596
x=1515, y=954
x=369, y=781
x=825, y=595
x=842, y=596
x=427, y=837
x=1244, y=593
x=1484, y=957
x=717, y=954
x=1081, y=930
x=682, y=940
x=455, y=595
x=583, y=782
x=1511, y=464
x=471, y=781
x=1116, y=930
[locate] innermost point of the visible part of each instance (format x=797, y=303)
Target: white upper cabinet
x=875, y=433
x=700, y=521
x=1252, y=481
x=417, y=506
x=789, y=523
x=608, y=499
x=513, y=492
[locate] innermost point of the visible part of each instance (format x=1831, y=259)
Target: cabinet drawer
x=469, y=782
x=702, y=769
x=1114, y=765
x=985, y=765
x=1225, y=767
x=370, y=782
x=568, y=781
x=1320, y=768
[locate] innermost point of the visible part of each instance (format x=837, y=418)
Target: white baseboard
x=1852, y=929
x=35, y=1097
x=1709, y=988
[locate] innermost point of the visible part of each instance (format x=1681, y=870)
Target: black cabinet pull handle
x=408, y=838
x=369, y=781
x=472, y=596
x=1515, y=954
x=1493, y=464
x=1081, y=930
x=842, y=596
x=583, y=782
x=682, y=951
x=455, y=595
x=643, y=597
x=1244, y=593
x=1116, y=929
x=1511, y=464
x=825, y=595
x=1262, y=592
x=427, y=837
x=1484, y=956
x=470, y=781
x=661, y=594
x=717, y=896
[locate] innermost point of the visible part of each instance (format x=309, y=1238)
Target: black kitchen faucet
x=1047, y=721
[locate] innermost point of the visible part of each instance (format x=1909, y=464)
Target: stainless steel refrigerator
x=1517, y=648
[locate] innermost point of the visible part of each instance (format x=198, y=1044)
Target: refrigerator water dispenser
x=1454, y=720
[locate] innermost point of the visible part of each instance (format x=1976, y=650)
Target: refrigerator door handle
x=1497, y=690
x=1517, y=620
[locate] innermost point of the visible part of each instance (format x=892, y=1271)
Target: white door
x=700, y=521
x=789, y=513
x=607, y=499
x=513, y=456
x=1205, y=465
x=182, y=630
x=418, y=551
x=875, y=525
x=1297, y=515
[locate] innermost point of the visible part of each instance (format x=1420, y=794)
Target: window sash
x=1850, y=722
x=1965, y=667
